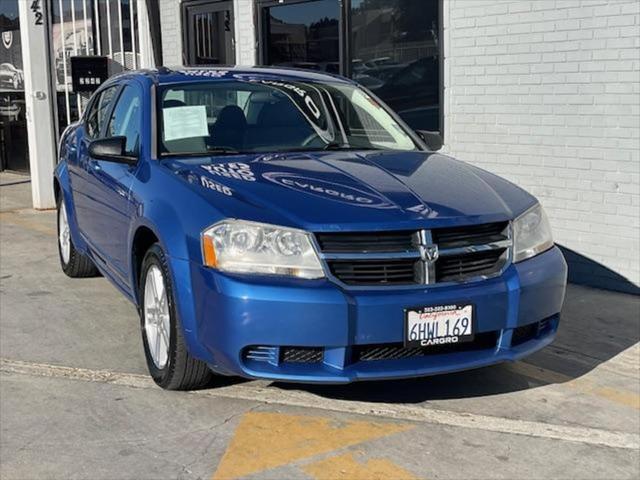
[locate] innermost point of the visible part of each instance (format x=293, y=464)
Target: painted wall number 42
x=36, y=8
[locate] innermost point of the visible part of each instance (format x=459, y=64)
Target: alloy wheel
x=64, y=236
x=156, y=317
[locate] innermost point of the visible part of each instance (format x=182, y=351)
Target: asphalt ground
x=75, y=400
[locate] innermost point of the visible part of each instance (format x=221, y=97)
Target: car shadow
x=585, y=271
x=596, y=325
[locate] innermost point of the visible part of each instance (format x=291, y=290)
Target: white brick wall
x=547, y=94
x=244, y=12
x=170, y=19
x=171, y=32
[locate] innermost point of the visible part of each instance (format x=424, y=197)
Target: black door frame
x=345, y=41
x=219, y=6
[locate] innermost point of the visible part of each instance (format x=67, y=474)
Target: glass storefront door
x=208, y=33
x=13, y=128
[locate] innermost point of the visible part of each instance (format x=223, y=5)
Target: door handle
x=94, y=165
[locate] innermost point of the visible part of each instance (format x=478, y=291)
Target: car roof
x=173, y=75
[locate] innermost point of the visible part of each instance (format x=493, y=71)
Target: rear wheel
x=73, y=263
x=170, y=364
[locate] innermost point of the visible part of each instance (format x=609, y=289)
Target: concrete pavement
x=75, y=401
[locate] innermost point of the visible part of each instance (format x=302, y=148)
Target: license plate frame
x=440, y=340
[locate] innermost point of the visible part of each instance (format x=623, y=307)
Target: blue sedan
x=287, y=225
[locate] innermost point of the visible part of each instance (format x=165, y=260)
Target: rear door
x=107, y=215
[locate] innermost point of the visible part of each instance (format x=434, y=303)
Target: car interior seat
x=229, y=129
x=280, y=123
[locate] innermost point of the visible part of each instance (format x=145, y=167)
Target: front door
x=106, y=216
x=208, y=33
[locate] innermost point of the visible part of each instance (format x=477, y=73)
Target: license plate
x=438, y=325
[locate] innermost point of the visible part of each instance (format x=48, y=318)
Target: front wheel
x=170, y=364
x=74, y=264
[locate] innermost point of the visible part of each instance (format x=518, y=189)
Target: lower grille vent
x=397, y=351
x=529, y=332
x=301, y=354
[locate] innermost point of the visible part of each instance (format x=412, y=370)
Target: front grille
x=365, y=242
x=459, y=268
x=465, y=236
x=375, y=272
x=397, y=351
x=301, y=354
x=394, y=258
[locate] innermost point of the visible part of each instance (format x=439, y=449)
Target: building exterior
x=543, y=92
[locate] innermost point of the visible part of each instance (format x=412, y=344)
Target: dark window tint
x=395, y=53
x=304, y=35
x=98, y=113
x=125, y=120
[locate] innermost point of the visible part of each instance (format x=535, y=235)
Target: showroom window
x=392, y=47
x=302, y=34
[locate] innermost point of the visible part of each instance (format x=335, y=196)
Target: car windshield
x=274, y=116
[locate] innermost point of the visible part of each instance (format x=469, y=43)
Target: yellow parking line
x=265, y=440
x=346, y=467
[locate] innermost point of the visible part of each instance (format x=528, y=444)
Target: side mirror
x=432, y=139
x=111, y=149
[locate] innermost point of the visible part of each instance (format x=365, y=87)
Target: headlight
x=246, y=247
x=531, y=234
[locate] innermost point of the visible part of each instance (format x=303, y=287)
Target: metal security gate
x=117, y=29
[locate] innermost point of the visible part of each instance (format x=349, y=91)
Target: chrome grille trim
x=506, y=244
x=262, y=353
x=370, y=256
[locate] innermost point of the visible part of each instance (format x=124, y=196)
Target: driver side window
x=126, y=119
x=98, y=113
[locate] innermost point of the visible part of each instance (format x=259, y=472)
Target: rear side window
x=97, y=116
x=125, y=120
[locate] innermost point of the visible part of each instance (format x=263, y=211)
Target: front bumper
x=241, y=326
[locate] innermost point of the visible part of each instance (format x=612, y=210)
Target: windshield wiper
x=335, y=146
x=230, y=150
x=346, y=146
x=210, y=151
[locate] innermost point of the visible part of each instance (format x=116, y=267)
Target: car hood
x=352, y=190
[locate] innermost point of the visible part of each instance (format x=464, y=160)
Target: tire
x=171, y=366
x=74, y=264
